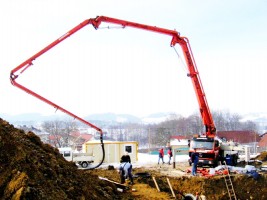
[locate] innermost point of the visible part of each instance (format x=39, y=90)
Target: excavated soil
x=30, y=169
x=182, y=183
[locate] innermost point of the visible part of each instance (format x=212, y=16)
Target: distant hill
x=34, y=118
x=155, y=118
x=112, y=117
x=30, y=118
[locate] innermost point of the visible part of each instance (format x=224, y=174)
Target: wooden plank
x=114, y=182
x=171, y=188
x=156, y=183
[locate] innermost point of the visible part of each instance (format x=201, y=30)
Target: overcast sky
x=131, y=71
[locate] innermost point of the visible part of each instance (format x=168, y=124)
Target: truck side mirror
x=216, y=143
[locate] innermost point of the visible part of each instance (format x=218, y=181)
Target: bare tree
x=235, y=122
x=154, y=135
x=196, y=124
x=59, y=131
x=219, y=120
x=225, y=121
x=161, y=136
x=249, y=126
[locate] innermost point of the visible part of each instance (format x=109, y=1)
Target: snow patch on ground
x=145, y=159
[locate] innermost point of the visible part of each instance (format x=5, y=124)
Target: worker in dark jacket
x=194, y=158
x=125, y=168
x=126, y=157
x=169, y=155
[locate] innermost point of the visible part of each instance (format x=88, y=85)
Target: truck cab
x=66, y=152
x=208, y=149
x=82, y=159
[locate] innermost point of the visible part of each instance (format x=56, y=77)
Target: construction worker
x=194, y=158
x=125, y=169
x=169, y=155
x=161, y=155
x=228, y=159
x=126, y=157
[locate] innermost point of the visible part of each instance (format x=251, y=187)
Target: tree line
x=151, y=135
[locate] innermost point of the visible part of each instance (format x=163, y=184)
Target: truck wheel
x=84, y=164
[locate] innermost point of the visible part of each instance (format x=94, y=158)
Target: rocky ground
x=30, y=169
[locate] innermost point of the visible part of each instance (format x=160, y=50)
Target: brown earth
x=183, y=183
x=30, y=169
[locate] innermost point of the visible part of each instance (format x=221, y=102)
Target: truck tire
x=84, y=164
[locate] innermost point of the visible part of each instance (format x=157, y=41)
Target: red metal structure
x=176, y=39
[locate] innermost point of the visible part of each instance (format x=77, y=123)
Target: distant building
x=113, y=150
x=179, y=144
x=54, y=140
x=77, y=139
x=178, y=137
x=242, y=137
x=249, y=138
x=262, y=145
x=31, y=128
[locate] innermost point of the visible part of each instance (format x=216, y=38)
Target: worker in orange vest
x=161, y=155
x=169, y=155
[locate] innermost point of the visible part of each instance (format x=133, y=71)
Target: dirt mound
x=30, y=169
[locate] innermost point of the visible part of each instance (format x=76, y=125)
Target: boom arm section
x=176, y=38
x=201, y=97
x=191, y=65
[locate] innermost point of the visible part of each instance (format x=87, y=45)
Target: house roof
x=179, y=137
x=82, y=136
x=263, y=141
x=241, y=137
x=86, y=137
x=263, y=134
x=54, y=137
x=111, y=142
x=75, y=134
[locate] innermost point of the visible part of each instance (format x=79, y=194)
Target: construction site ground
x=30, y=169
x=182, y=183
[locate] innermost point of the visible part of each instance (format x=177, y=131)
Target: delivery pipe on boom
x=176, y=38
x=193, y=73
x=29, y=62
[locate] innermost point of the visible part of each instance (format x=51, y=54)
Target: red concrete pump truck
x=210, y=148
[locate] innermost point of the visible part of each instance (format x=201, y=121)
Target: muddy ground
x=30, y=169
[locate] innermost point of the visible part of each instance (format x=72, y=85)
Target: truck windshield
x=202, y=144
